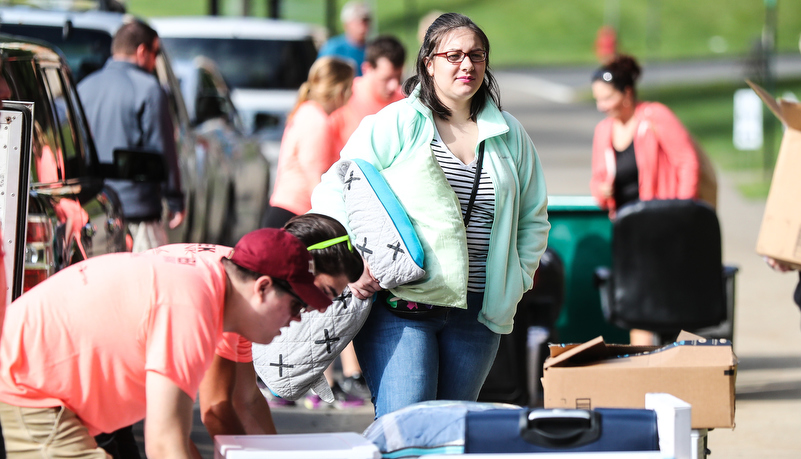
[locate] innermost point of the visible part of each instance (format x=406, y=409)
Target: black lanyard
x=475, y=183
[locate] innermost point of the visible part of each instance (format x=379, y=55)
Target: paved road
x=767, y=334
x=567, y=84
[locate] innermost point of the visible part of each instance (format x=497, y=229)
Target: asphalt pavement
x=767, y=337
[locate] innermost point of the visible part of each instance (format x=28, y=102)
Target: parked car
x=263, y=60
x=214, y=116
x=85, y=38
x=54, y=207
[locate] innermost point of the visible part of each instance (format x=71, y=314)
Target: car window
x=171, y=86
x=250, y=63
x=72, y=147
x=80, y=123
x=86, y=50
x=27, y=84
x=209, y=103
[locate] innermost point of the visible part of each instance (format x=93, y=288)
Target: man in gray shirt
x=127, y=108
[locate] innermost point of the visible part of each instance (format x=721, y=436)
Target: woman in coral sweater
x=307, y=145
x=641, y=151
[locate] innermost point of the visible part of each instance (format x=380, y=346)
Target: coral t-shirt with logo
x=233, y=346
x=87, y=337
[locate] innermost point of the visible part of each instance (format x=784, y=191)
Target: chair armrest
x=601, y=276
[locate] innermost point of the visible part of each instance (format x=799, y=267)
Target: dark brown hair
x=623, y=72
x=132, y=34
x=333, y=260
x=434, y=35
x=243, y=274
x=385, y=46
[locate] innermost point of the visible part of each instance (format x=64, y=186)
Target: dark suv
x=54, y=207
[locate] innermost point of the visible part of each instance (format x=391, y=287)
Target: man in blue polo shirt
x=126, y=107
x=356, y=17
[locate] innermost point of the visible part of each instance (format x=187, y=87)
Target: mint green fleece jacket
x=397, y=141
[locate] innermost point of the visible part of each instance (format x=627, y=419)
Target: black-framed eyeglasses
x=299, y=306
x=456, y=57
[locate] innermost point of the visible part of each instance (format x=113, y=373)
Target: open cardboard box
x=595, y=374
x=780, y=233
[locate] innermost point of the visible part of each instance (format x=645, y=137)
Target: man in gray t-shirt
x=126, y=107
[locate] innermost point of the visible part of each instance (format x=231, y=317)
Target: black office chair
x=666, y=273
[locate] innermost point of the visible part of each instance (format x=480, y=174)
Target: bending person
x=114, y=339
x=230, y=401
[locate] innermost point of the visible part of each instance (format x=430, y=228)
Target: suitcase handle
x=560, y=428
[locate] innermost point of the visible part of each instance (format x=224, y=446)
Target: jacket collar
x=121, y=64
x=491, y=122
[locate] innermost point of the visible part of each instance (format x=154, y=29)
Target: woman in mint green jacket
x=482, y=233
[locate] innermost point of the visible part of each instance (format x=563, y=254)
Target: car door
x=15, y=138
x=246, y=170
x=64, y=215
x=192, y=158
x=85, y=208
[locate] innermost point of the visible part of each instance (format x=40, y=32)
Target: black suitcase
x=560, y=430
x=507, y=381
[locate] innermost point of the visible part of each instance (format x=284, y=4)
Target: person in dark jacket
x=126, y=107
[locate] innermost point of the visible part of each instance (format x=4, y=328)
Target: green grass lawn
x=531, y=32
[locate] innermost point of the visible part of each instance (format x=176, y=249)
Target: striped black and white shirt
x=461, y=177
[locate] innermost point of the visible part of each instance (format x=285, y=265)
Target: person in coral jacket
x=641, y=151
x=307, y=146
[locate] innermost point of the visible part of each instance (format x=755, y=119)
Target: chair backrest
x=666, y=268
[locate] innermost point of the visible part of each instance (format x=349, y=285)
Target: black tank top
x=627, y=183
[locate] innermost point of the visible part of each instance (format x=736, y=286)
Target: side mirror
x=138, y=166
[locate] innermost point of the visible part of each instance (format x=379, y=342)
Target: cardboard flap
x=792, y=113
x=687, y=336
x=767, y=98
x=594, y=347
x=788, y=112
x=595, y=350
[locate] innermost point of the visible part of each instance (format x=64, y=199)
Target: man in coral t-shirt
x=378, y=87
x=122, y=337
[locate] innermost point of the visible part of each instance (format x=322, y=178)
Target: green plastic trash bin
x=581, y=234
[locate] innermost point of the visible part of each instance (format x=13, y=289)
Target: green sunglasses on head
x=330, y=242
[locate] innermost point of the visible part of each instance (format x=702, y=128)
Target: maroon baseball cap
x=278, y=254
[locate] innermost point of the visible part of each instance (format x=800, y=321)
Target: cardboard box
x=595, y=374
x=780, y=233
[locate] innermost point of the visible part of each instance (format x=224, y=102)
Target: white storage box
x=339, y=445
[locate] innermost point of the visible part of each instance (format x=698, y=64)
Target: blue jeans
x=446, y=357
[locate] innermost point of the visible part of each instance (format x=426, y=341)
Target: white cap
x=355, y=10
